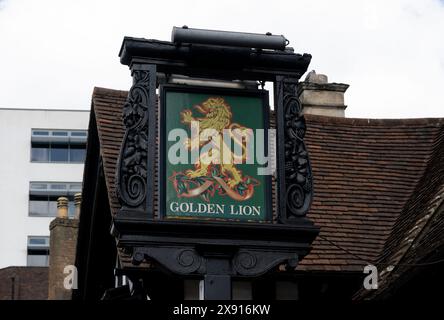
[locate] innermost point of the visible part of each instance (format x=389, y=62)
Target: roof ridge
x=375, y=122
x=101, y=91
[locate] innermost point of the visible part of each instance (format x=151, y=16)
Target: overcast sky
x=391, y=52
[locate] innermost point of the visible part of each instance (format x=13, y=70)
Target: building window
x=65, y=146
x=38, y=251
x=43, y=197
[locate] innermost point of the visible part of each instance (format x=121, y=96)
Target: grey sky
x=53, y=52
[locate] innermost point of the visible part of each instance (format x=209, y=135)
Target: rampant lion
x=216, y=115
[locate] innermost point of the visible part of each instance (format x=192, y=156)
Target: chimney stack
x=77, y=203
x=320, y=97
x=62, y=207
x=62, y=250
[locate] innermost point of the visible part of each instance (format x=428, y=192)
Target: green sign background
x=248, y=111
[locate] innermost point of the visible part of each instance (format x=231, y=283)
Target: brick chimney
x=320, y=97
x=77, y=203
x=62, y=207
x=63, y=241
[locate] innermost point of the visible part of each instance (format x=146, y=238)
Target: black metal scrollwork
x=177, y=260
x=298, y=175
x=254, y=263
x=132, y=168
x=188, y=260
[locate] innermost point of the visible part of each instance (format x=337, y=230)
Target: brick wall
x=24, y=283
x=62, y=253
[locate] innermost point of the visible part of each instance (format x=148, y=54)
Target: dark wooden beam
x=213, y=61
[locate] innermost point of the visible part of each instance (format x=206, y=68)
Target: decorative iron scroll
x=187, y=260
x=132, y=167
x=298, y=175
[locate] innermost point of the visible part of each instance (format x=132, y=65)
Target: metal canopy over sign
x=185, y=224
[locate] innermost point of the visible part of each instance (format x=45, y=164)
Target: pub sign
x=214, y=150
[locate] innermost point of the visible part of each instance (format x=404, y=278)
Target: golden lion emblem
x=208, y=175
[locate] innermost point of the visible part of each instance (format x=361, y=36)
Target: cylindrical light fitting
x=228, y=38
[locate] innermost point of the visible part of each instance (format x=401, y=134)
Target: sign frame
x=162, y=134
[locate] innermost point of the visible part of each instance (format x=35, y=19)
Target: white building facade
x=42, y=158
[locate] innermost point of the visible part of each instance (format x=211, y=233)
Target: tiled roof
x=107, y=106
x=367, y=179
x=365, y=171
x=417, y=238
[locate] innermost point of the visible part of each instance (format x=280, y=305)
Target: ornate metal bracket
x=136, y=161
x=295, y=185
x=188, y=260
x=179, y=260
x=258, y=262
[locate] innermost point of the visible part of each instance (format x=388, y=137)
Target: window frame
x=42, y=251
x=65, y=138
x=71, y=188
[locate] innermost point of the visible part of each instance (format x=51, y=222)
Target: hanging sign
x=214, y=154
